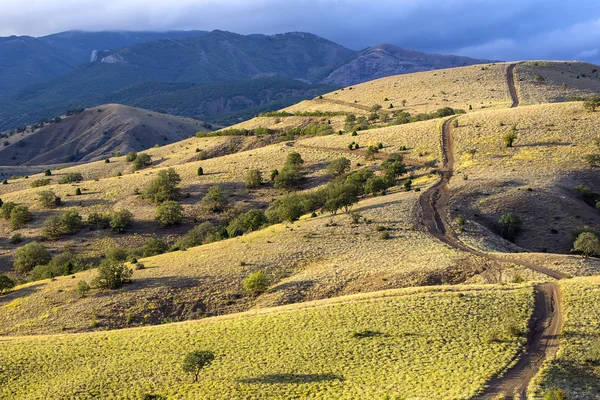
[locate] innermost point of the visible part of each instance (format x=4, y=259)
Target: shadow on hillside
x=541, y=144
x=24, y=292
x=291, y=379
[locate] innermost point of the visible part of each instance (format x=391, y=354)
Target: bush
x=256, y=283
x=62, y=264
x=510, y=226
x=201, y=234
x=555, y=394
x=588, y=244
x=112, y=275
x=121, y=221
x=16, y=238
x=47, y=173
x=200, y=171
x=290, y=177
x=82, y=288
x=375, y=185
x=131, y=156
x=98, y=220
x=339, y=166
x=71, y=178
x=19, y=217
x=370, y=152
x=142, y=161
x=78, y=192
x=592, y=103
x=28, y=256
x=169, y=213
x=39, y=182
x=215, y=199
x=163, y=187
x=48, y=199
x=394, y=165
x=510, y=137
x=248, y=222
x=286, y=208
x=6, y=209
x=253, y=179
x=407, y=185
x=294, y=158
x=153, y=247
x=6, y=283
x=71, y=222
x=195, y=361
x=341, y=194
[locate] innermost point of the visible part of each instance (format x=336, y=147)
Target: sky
x=491, y=29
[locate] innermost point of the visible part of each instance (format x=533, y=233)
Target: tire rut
x=546, y=321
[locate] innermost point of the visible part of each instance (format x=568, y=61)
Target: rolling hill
x=508, y=300
x=95, y=133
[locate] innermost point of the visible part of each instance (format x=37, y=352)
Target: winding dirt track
x=546, y=321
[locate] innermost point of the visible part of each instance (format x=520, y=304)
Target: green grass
x=422, y=343
x=573, y=370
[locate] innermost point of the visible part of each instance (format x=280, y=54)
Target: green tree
x=71, y=178
x=131, y=156
x=142, y=161
x=163, y=187
x=394, y=165
x=290, y=177
x=294, y=158
x=592, y=103
x=48, y=199
x=253, y=179
x=153, y=247
x=195, y=361
x=82, y=288
x=510, y=226
x=200, y=171
x=121, y=221
x=51, y=228
x=71, y=222
x=6, y=283
x=588, y=244
x=47, y=173
x=247, y=222
x=215, y=199
x=198, y=235
x=98, y=220
x=169, y=213
x=407, y=185
x=339, y=166
x=287, y=208
x=256, y=283
x=112, y=275
x=19, y=217
x=6, y=209
x=341, y=194
x=374, y=185
x=29, y=256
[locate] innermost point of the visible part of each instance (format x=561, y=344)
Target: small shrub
x=6, y=209
x=510, y=137
x=555, y=394
x=131, y=156
x=6, y=283
x=215, y=199
x=29, y=256
x=47, y=173
x=48, y=199
x=112, y=275
x=169, y=213
x=407, y=185
x=592, y=103
x=16, y=238
x=510, y=226
x=71, y=178
x=384, y=235
x=39, y=183
x=82, y=288
x=355, y=216
x=256, y=283
x=19, y=217
x=98, y=220
x=200, y=171
x=78, y=192
x=253, y=179
x=142, y=161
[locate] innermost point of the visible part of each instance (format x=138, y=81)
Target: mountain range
x=44, y=77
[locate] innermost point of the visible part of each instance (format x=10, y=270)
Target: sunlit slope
x=419, y=343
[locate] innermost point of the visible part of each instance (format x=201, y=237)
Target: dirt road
x=546, y=321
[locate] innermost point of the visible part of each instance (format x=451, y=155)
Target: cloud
x=497, y=29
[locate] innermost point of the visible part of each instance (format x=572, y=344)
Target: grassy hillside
x=95, y=133
x=400, y=343
x=576, y=369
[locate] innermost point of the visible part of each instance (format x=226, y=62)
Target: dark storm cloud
x=494, y=29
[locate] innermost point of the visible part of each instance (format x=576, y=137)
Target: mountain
x=94, y=134
x=387, y=60
x=26, y=60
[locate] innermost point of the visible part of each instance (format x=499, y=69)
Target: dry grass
x=576, y=368
x=415, y=347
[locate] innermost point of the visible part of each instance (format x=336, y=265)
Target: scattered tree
x=510, y=137
x=195, y=361
x=142, y=161
x=201, y=234
x=6, y=209
x=588, y=244
x=163, y=187
x=592, y=103
x=200, y=171
x=394, y=165
x=253, y=179
x=339, y=166
x=112, y=275
x=169, y=213
x=121, y=221
x=28, y=256
x=215, y=199
x=19, y=217
x=510, y=226
x=48, y=199
x=131, y=156
x=256, y=283
x=47, y=173
x=71, y=178
x=6, y=283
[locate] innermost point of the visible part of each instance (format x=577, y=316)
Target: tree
x=200, y=171
x=6, y=283
x=153, y=247
x=248, y=222
x=131, y=156
x=29, y=256
x=201, y=234
x=169, y=213
x=6, y=209
x=82, y=288
x=71, y=178
x=142, y=161
x=394, y=165
x=407, y=185
x=339, y=166
x=341, y=194
x=370, y=152
x=256, y=283
x=70, y=222
x=588, y=244
x=286, y=208
x=215, y=199
x=274, y=174
x=121, y=221
x=78, y=192
x=253, y=179
x=112, y=275
x=195, y=361
x=47, y=173
x=51, y=228
x=375, y=185
x=48, y=199
x=163, y=187
x=289, y=177
x=510, y=226
x=592, y=103
x=19, y=217
x=510, y=137
x=376, y=107
x=98, y=220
